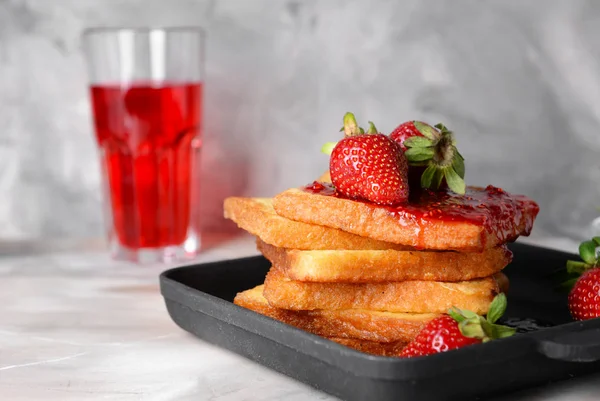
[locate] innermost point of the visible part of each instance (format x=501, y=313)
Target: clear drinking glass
x=146, y=94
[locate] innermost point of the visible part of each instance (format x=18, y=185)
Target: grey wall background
x=519, y=81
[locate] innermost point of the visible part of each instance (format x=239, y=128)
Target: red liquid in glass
x=150, y=137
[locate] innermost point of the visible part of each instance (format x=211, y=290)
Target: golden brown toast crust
x=380, y=327
x=257, y=216
x=362, y=266
x=405, y=296
x=422, y=232
x=372, y=347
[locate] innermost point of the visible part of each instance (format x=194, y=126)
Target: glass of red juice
x=146, y=95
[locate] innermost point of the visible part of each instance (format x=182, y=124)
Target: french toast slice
x=482, y=218
x=372, y=347
x=403, y=296
x=357, y=324
x=362, y=266
x=257, y=216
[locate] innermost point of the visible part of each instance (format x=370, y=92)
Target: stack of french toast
x=371, y=276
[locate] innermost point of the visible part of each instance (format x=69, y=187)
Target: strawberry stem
x=473, y=325
x=575, y=268
x=372, y=129
x=587, y=251
x=497, y=308
x=327, y=148
x=351, y=127
x=437, y=151
x=444, y=150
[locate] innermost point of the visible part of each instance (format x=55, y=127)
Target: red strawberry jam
x=492, y=208
x=321, y=189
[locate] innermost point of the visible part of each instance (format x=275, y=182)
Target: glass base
x=173, y=253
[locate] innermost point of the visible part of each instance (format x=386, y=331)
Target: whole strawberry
x=440, y=335
x=584, y=298
x=458, y=329
x=369, y=166
x=432, y=155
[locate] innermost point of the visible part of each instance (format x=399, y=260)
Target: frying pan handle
x=575, y=346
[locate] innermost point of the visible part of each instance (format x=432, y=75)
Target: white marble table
x=78, y=326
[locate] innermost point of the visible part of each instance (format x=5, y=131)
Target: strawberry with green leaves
x=407, y=130
x=432, y=155
x=458, y=329
x=584, y=298
x=368, y=165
